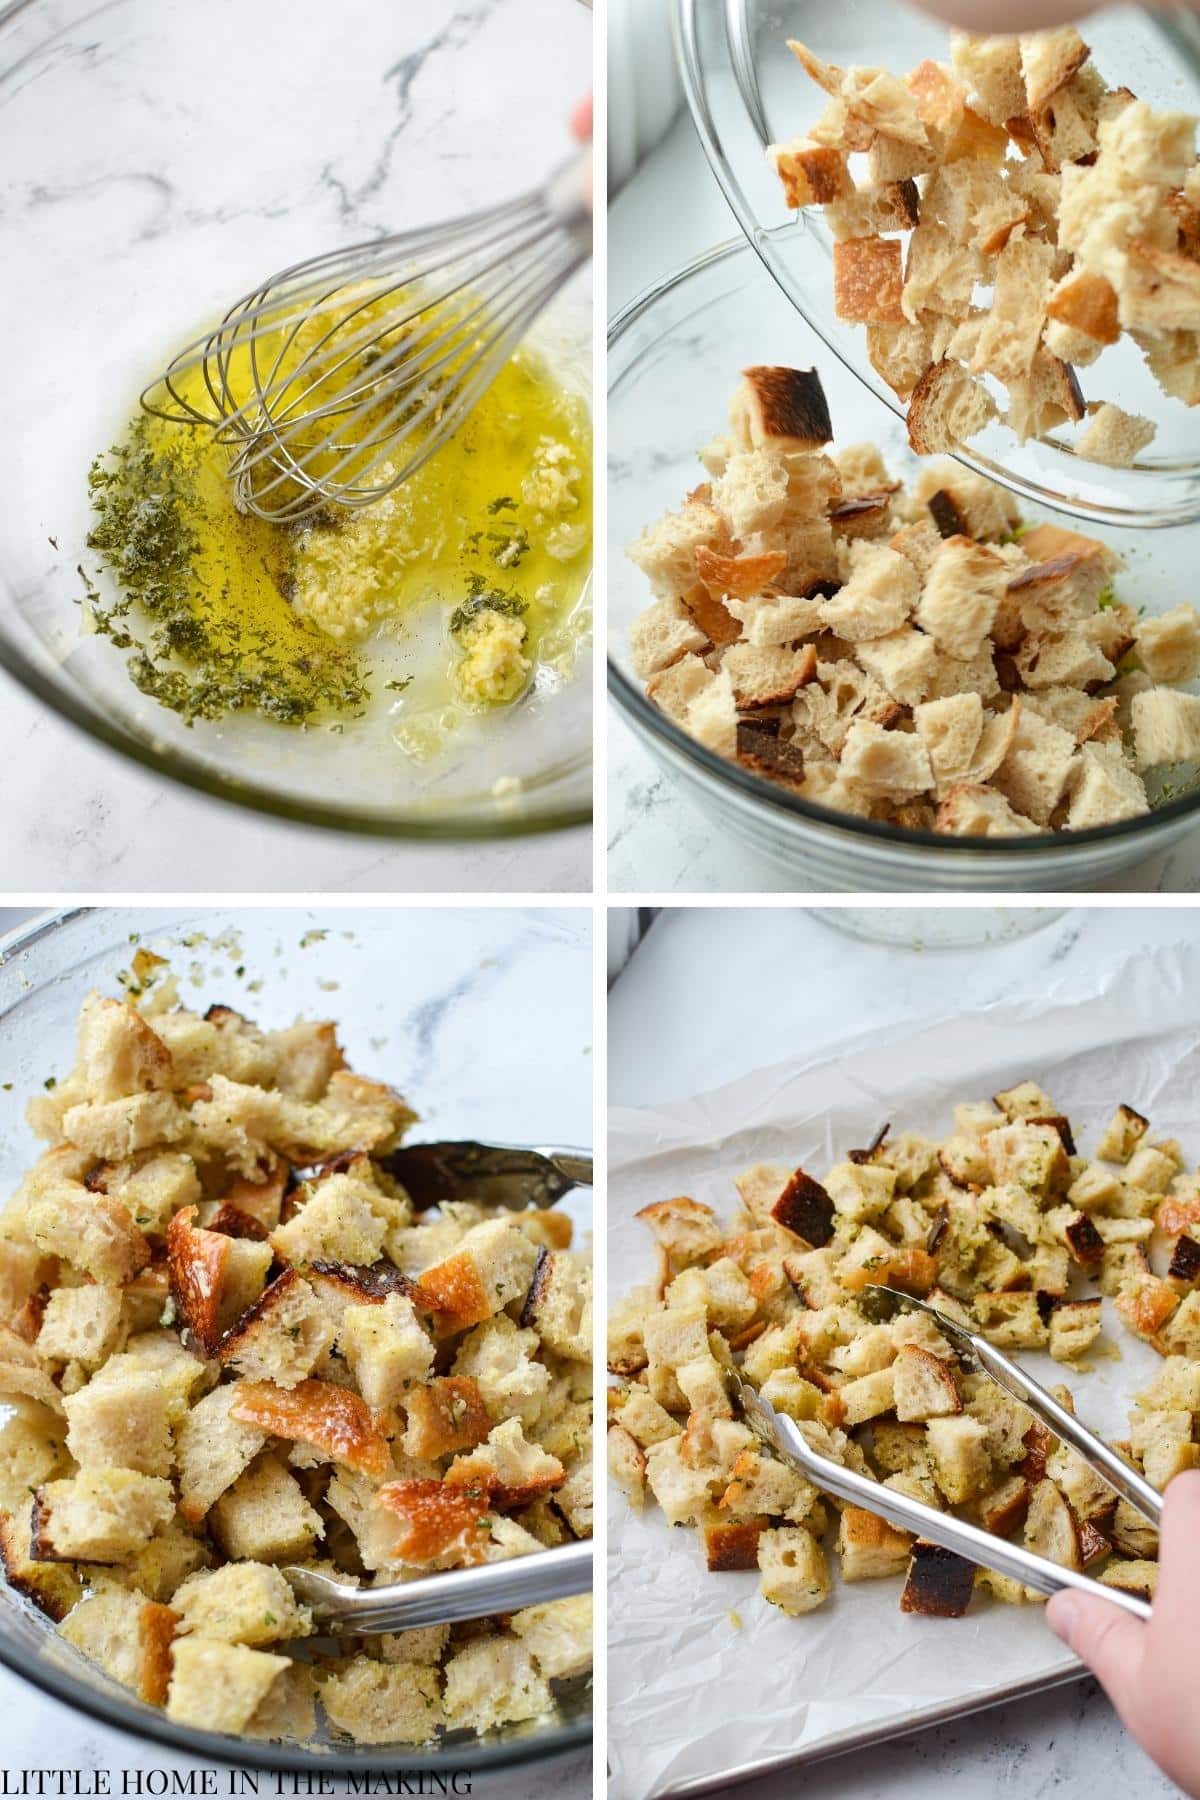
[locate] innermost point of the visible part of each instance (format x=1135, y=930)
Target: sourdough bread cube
x=794, y=1572
x=627, y=1465
x=99, y=1515
x=90, y=1232
x=511, y=1471
x=53, y=1587
x=867, y=1397
x=904, y=662
x=242, y=1603
x=115, y=1129
x=958, y=1456
x=558, y=1636
x=1038, y=767
x=288, y=1713
x=1169, y=645
x=559, y=1304
x=307, y=1055
x=492, y=1267
x=950, y=730
x=890, y=764
x=990, y=69
x=445, y=1416
x=169, y=1558
x=860, y=1191
x=32, y=1450
x=1029, y=1154
x=1104, y=789
x=128, y=1636
x=493, y=1681
x=500, y=1358
x=925, y=1387
x=1114, y=437
x=81, y=1324
x=342, y=1220
x=868, y=1547
x=214, y=1278
x=575, y=1496
x=284, y=1335
x=1166, y=727
x=683, y=1492
x=218, y=1686
x=878, y=596
x=386, y=1348
x=424, y=1645
x=119, y=1053
x=213, y=1449
x=154, y=1191
x=1074, y=1328
x=182, y=1375
x=383, y=1703
x=121, y=1419
x=354, y=1500
x=1011, y=1321
x=264, y=1516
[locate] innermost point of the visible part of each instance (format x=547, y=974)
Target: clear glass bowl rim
x=647, y=718
x=147, y=1722
x=456, y=826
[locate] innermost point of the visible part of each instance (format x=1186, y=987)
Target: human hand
x=1148, y=1670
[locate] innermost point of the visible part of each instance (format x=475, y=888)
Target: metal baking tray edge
x=863, y=1737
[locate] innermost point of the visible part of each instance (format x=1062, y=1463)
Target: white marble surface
x=821, y=984
x=486, y=1023
x=76, y=817
x=658, y=842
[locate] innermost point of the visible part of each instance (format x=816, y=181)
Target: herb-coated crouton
x=283, y=1335
x=627, y=1464
x=435, y=1521
x=81, y=1324
x=558, y=1635
x=214, y=1278
x=958, y=1456
x=492, y=1267
x=446, y=1416
x=213, y=1448
x=1050, y=1528
x=386, y=1348
x=91, y=1232
x=242, y=1603
x=1074, y=1328
x=509, y=1470
x=494, y=1681
x=382, y=1703
x=868, y=1547
x=795, y=1574
x=122, y=1419
x=925, y=1386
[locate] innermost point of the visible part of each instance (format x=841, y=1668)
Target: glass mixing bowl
x=398, y=983
x=675, y=356
x=746, y=90
x=159, y=158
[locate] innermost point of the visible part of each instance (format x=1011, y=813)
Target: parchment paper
x=691, y=1695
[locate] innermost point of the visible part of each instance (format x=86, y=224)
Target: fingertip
x=1062, y=1615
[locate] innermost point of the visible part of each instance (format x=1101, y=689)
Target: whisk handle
x=567, y=195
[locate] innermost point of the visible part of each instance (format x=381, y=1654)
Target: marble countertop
x=1067, y=1743
x=78, y=818
x=449, y=987
x=658, y=841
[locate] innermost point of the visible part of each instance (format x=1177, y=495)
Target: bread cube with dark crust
x=940, y=1582
x=1122, y=1135
x=782, y=408
x=1183, y=1271
x=214, y=1278
x=733, y=1547
x=805, y=1209
x=1083, y=1241
x=558, y=1305
x=52, y=1587
x=282, y=1336
x=1004, y=1508
x=1051, y=1529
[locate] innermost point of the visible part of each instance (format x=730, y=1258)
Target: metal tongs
x=784, y=1436
x=517, y=1177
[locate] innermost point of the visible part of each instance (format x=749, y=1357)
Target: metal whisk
x=338, y=378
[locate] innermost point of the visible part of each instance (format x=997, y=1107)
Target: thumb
x=1108, y=1640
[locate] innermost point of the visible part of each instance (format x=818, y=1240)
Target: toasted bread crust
x=446, y=1417
x=805, y=1209
x=729, y=1548
x=329, y=1417
x=940, y=1582
x=435, y=1520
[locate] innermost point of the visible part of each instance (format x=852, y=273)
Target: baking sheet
x=693, y=1698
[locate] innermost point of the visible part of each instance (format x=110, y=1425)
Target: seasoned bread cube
x=868, y=1547
x=214, y=1278
x=627, y=1465
x=218, y=1686
x=795, y=1574
x=342, y=1220
x=153, y=1191
x=91, y=1232
x=492, y=1682
x=243, y=1603
x=284, y=1334
x=558, y=1635
x=1074, y=1328
x=434, y=1522
x=559, y=1305
x=386, y=1349
x=263, y=1517
x=500, y=1358
x=958, y=1456
x=213, y=1448
x=1050, y=1528
x=1122, y=1135
x=925, y=1387
x=99, y=1515
x=128, y=1635
x=492, y=1266
x=446, y=1416
x=331, y=1420
x=119, y=1053
x=122, y=1419
x=509, y=1470
x=81, y=1325
x=383, y=1703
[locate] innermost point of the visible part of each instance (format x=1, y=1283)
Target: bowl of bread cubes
x=232, y=1343
x=878, y=668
